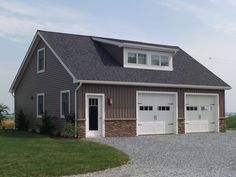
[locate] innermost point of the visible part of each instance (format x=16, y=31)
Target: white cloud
x=229, y=28
x=230, y=2
x=205, y=14
x=19, y=20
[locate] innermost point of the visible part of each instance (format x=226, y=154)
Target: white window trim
x=40, y=94
x=41, y=71
x=148, y=58
x=61, y=92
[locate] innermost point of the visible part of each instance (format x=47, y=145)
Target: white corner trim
x=153, y=84
x=44, y=63
x=61, y=92
x=40, y=94
x=59, y=59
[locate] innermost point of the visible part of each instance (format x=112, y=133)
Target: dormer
x=139, y=55
x=147, y=59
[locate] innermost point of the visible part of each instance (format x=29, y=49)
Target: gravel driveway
x=191, y=155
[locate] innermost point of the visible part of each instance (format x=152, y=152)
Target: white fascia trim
x=59, y=59
x=148, y=47
x=23, y=63
x=153, y=84
x=119, y=44
x=137, y=46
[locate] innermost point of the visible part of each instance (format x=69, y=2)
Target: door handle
x=212, y=122
x=170, y=123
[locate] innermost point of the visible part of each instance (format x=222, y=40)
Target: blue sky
x=206, y=29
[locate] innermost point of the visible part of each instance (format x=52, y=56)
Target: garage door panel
x=156, y=113
x=146, y=128
x=197, y=126
x=201, y=113
x=200, y=126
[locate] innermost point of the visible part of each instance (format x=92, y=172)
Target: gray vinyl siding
x=124, y=99
x=51, y=82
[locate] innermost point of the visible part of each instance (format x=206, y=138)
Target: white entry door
x=201, y=113
x=156, y=113
x=94, y=115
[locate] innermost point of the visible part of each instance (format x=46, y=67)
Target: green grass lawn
x=25, y=155
x=231, y=123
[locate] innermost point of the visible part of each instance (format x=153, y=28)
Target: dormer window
x=160, y=60
x=164, y=60
x=142, y=58
x=41, y=60
x=148, y=59
x=137, y=58
x=155, y=60
x=132, y=58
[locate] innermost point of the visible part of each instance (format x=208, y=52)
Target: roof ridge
x=137, y=42
x=113, y=39
x=65, y=33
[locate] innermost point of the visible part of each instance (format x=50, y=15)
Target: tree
x=3, y=110
x=22, y=123
x=46, y=127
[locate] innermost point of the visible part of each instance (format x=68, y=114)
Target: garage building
x=116, y=87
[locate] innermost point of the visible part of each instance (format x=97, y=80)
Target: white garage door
x=156, y=113
x=201, y=113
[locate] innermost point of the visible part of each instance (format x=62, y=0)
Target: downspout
x=76, y=109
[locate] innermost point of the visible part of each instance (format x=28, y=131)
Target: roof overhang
x=136, y=46
x=154, y=84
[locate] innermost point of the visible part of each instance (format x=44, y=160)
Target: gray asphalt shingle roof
x=88, y=60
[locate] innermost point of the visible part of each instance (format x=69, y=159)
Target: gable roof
x=87, y=61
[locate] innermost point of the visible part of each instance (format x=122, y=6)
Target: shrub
x=69, y=127
x=22, y=123
x=68, y=130
x=46, y=127
x=33, y=130
x=70, y=118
